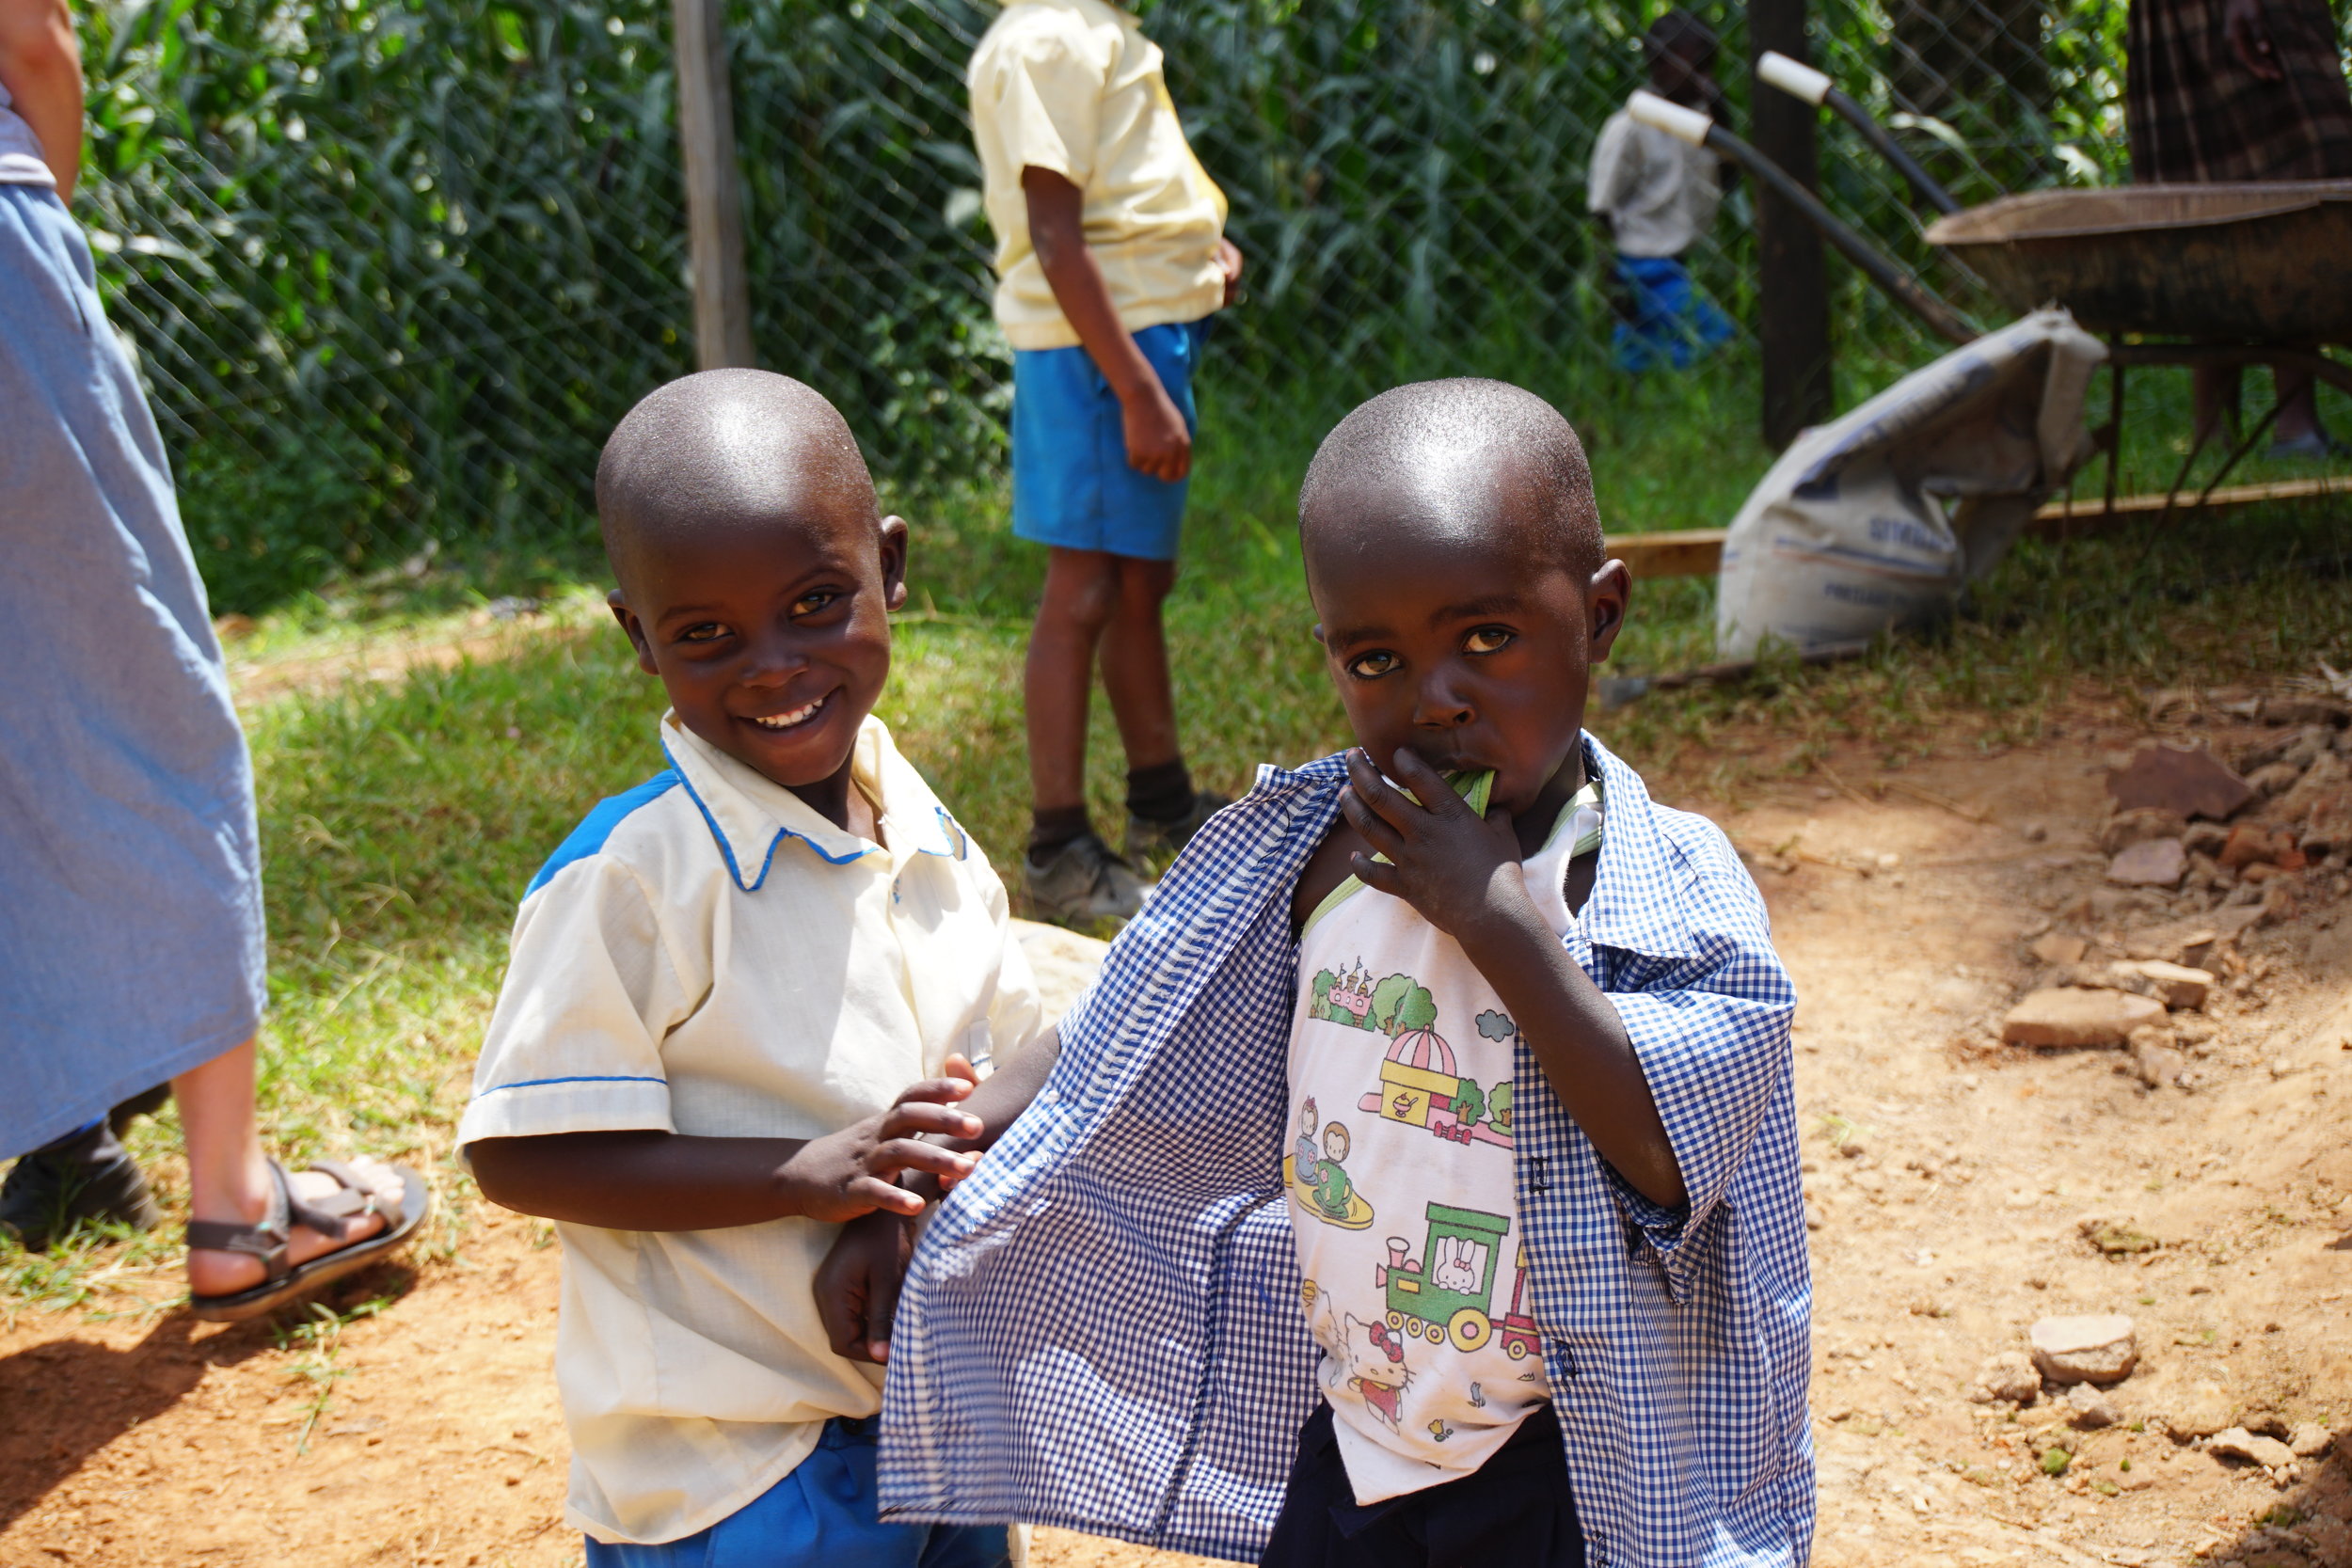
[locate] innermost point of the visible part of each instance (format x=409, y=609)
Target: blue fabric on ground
x=1072, y=484
x=823, y=1514
x=130, y=878
x=1673, y=322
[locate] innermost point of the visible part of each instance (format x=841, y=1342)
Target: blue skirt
x=130, y=882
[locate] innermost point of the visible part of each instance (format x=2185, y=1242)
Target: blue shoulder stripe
x=597, y=826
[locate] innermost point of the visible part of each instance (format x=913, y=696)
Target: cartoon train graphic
x=1446, y=1295
x=1420, y=1088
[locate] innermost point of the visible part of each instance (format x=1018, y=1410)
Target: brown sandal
x=283, y=1282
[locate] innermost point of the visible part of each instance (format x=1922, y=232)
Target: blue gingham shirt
x=1102, y=1328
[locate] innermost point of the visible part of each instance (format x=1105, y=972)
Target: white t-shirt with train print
x=1399, y=1171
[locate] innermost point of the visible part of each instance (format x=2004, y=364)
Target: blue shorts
x=1673, y=322
x=1071, y=482
x=822, y=1513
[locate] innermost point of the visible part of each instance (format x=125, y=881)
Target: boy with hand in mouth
x=720, y=982
x=1561, y=1319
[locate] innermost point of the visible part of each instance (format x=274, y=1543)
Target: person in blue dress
x=131, y=932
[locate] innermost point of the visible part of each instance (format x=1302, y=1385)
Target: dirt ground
x=1956, y=1185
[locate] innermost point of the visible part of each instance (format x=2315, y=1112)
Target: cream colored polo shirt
x=1074, y=86
x=706, y=955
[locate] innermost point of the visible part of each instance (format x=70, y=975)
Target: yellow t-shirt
x=706, y=955
x=1074, y=86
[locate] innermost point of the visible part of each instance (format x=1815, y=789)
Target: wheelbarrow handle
x=1690, y=125
x=1802, y=80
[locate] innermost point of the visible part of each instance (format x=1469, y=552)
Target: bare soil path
x=1951, y=1177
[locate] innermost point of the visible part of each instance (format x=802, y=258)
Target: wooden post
x=1792, y=279
x=714, y=201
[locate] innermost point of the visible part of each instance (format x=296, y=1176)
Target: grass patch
x=401, y=821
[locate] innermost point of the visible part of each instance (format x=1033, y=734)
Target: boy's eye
x=703, y=631
x=809, y=604
x=1371, y=665
x=1487, y=640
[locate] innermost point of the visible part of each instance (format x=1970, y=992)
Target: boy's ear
x=894, y=561
x=1318, y=633
x=636, y=630
x=1605, y=603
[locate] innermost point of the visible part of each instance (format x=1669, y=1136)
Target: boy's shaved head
x=1452, y=460
x=724, y=451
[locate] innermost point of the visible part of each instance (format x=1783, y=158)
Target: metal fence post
x=714, y=199
x=1792, y=337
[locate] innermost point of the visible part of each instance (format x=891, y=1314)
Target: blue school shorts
x=823, y=1514
x=1071, y=482
x=1673, y=322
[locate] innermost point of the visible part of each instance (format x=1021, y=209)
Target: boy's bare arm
x=857, y=1285
x=41, y=65
x=655, y=1181
x=1461, y=873
x=1158, y=442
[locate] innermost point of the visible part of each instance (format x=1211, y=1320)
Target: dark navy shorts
x=1071, y=486
x=1511, y=1512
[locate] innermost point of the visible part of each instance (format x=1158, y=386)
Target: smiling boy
x=1561, y=1318
x=720, y=982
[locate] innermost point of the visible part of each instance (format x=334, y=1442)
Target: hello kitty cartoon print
x=1421, y=1270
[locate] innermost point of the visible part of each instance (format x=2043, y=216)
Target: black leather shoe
x=84, y=1177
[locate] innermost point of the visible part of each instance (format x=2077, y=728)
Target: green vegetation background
x=394, y=266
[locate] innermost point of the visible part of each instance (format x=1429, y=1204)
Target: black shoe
x=1082, y=881
x=82, y=1178
x=138, y=1105
x=1148, y=840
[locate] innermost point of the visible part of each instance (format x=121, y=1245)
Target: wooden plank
x=1692, y=553
x=1698, y=552
x=714, y=201
x=2059, y=517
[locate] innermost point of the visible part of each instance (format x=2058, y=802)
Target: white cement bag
x=1878, y=518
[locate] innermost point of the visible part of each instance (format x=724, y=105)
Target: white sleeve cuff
x=538, y=1107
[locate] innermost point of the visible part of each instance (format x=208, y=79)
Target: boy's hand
x=1158, y=442
x=1228, y=262
x=1457, y=870
x=850, y=1173
x=857, y=1285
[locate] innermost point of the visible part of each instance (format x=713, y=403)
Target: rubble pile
x=2199, y=849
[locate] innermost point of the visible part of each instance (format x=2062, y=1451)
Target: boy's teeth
x=786, y=720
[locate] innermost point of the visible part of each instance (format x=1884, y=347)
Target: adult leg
x=2299, y=432
x=2213, y=402
x=228, y=1179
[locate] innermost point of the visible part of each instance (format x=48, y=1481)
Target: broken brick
x=2183, y=779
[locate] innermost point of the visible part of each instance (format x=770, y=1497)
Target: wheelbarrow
x=2260, y=263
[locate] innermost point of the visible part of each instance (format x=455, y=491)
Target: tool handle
x=1699, y=130
x=1793, y=77
x=1815, y=87
x=1664, y=114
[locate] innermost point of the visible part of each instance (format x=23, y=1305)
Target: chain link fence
x=393, y=267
